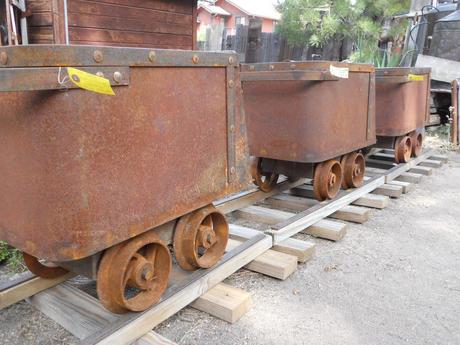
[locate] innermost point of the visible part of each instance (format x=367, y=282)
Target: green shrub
x=12, y=257
x=4, y=251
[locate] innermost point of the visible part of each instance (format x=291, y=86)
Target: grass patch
x=12, y=257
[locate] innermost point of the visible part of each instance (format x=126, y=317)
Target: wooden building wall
x=130, y=23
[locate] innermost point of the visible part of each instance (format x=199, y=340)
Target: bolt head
x=152, y=56
x=98, y=56
x=118, y=77
x=3, y=58
x=195, y=59
x=231, y=60
x=231, y=84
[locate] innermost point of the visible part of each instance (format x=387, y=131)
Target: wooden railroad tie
x=426, y=171
x=224, y=302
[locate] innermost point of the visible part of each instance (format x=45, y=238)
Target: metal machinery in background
x=303, y=121
x=86, y=176
x=433, y=41
x=402, y=110
x=454, y=110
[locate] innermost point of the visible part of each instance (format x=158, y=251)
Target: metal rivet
x=231, y=83
x=118, y=77
x=100, y=74
x=252, y=68
x=152, y=56
x=3, y=58
x=232, y=170
x=271, y=67
x=232, y=129
x=195, y=59
x=75, y=78
x=98, y=56
x=231, y=60
x=293, y=66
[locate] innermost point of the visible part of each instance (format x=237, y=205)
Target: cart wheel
x=200, y=238
x=354, y=167
x=327, y=180
x=403, y=149
x=265, y=181
x=417, y=143
x=43, y=270
x=133, y=275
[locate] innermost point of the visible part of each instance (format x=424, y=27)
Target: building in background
x=231, y=13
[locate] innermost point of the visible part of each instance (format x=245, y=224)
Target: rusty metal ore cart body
x=402, y=109
x=83, y=172
x=307, y=120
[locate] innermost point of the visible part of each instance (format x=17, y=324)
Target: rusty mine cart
x=309, y=119
x=402, y=110
x=89, y=179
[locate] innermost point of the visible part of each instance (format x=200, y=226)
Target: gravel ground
x=393, y=280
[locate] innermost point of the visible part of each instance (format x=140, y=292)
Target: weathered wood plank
x=29, y=288
x=431, y=163
x=389, y=190
x=410, y=177
x=82, y=314
x=442, y=158
x=130, y=329
x=406, y=186
x=426, y=171
x=303, y=250
x=271, y=263
x=373, y=201
x=312, y=215
x=328, y=230
x=353, y=214
x=224, y=302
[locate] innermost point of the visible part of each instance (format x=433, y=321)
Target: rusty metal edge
x=51, y=78
x=231, y=122
x=83, y=55
x=401, y=71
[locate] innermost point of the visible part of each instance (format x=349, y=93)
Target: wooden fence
x=253, y=45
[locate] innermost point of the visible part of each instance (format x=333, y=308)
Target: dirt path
x=393, y=280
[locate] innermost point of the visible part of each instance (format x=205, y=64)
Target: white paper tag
x=339, y=72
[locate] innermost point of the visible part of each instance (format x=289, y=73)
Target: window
x=240, y=20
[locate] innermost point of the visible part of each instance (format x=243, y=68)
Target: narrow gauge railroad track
x=289, y=209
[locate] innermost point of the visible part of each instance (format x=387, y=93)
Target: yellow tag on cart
x=90, y=81
x=414, y=77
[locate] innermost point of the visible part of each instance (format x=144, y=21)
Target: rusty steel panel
x=402, y=105
x=308, y=120
x=82, y=172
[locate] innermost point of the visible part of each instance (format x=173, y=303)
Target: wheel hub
x=206, y=237
x=200, y=238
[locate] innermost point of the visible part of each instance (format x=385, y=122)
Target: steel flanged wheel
x=403, y=149
x=327, y=180
x=354, y=167
x=133, y=275
x=43, y=269
x=417, y=143
x=266, y=181
x=200, y=239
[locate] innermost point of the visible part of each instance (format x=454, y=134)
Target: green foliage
x=4, y=252
x=12, y=257
x=314, y=22
x=15, y=261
